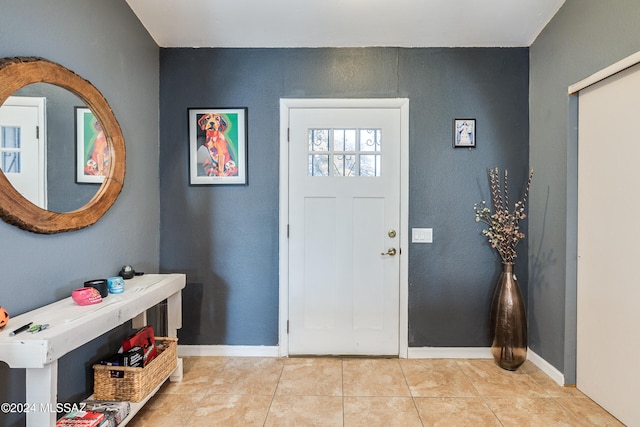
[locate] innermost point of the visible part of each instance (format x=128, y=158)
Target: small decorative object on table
x=86, y=296
x=115, y=285
x=4, y=318
x=508, y=321
x=100, y=285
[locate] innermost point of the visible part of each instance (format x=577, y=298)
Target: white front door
x=22, y=148
x=344, y=231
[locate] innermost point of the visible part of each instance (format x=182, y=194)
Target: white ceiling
x=344, y=23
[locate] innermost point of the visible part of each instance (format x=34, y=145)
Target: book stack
x=115, y=410
x=83, y=419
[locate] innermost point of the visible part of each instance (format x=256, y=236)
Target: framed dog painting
x=217, y=146
x=92, y=150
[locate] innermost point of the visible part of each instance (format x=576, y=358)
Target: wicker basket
x=136, y=383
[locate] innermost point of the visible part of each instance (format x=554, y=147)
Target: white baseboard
x=412, y=353
x=228, y=350
x=481, y=353
x=546, y=367
x=449, y=353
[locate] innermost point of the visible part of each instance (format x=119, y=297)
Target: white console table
x=71, y=326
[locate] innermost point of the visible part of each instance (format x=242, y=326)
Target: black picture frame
x=464, y=133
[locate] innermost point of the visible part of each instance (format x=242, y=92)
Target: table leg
x=174, y=314
x=174, y=322
x=42, y=395
x=140, y=321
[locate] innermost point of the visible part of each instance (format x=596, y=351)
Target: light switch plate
x=422, y=235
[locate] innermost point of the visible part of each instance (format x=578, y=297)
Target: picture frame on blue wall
x=92, y=150
x=218, y=146
x=464, y=133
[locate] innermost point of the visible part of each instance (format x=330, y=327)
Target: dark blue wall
x=226, y=237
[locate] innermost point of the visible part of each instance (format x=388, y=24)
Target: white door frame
x=285, y=105
x=41, y=104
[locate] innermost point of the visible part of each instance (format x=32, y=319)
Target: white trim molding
x=227, y=350
x=594, y=78
x=546, y=367
x=450, y=353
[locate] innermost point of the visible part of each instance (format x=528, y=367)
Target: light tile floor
x=223, y=391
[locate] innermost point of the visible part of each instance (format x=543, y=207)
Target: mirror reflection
x=53, y=151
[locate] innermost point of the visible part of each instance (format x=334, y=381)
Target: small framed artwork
x=92, y=150
x=464, y=133
x=217, y=146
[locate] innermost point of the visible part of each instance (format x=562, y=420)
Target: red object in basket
x=143, y=338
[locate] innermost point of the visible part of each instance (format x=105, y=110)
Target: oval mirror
x=18, y=73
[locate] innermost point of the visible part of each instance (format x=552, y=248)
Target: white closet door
x=608, y=335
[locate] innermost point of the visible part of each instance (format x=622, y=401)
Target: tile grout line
x=482, y=396
x=273, y=396
x=413, y=398
x=204, y=395
x=342, y=391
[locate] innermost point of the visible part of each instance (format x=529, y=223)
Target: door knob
x=391, y=251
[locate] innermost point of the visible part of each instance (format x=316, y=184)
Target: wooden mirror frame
x=18, y=72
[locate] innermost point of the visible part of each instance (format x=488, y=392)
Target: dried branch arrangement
x=503, y=232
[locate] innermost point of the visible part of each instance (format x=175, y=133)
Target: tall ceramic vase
x=508, y=322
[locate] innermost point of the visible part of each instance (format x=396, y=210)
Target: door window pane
x=318, y=165
x=351, y=152
x=370, y=139
x=10, y=149
x=319, y=140
x=344, y=139
x=344, y=164
x=370, y=165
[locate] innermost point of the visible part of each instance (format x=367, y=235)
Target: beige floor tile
x=230, y=410
x=455, y=411
x=170, y=403
x=194, y=382
x=373, y=377
x=534, y=412
x=312, y=377
x=380, y=411
x=491, y=380
x=166, y=410
x=198, y=363
x=436, y=378
x=303, y=411
x=146, y=418
x=301, y=392
x=588, y=413
x=257, y=376
x=528, y=367
x=552, y=388
x=189, y=361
